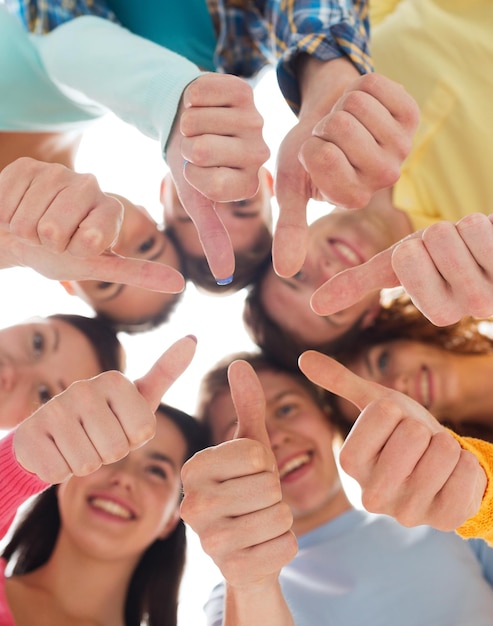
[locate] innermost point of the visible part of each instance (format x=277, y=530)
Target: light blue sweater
x=367, y=570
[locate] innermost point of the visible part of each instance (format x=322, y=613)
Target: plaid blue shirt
x=251, y=33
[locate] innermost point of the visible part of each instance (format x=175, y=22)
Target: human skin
x=124, y=420
x=140, y=238
x=59, y=223
x=451, y=385
x=454, y=278
x=36, y=363
x=407, y=464
x=108, y=519
x=242, y=219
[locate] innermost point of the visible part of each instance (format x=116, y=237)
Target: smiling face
x=244, y=220
x=37, y=362
x=117, y=512
x=337, y=241
x=301, y=438
x=140, y=238
x=424, y=372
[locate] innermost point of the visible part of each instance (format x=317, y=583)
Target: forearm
x=324, y=31
x=262, y=604
x=94, y=60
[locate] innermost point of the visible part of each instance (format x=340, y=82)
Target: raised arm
x=92, y=422
x=233, y=501
x=208, y=121
x=407, y=464
x=446, y=269
x=62, y=225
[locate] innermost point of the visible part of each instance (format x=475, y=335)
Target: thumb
x=213, y=235
x=333, y=376
x=248, y=398
x=352, y=285
x=111, y=267
x=170, y=365
x=290, y=241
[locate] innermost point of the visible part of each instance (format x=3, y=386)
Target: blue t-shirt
x=367, y=570
x=184, y=27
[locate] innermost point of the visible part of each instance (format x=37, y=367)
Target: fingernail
x=192, y=337
x=225, y=281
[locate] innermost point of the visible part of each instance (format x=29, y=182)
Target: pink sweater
x=16, y=486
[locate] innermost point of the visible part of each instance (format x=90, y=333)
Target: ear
x=269, y=180
x=162, y=190
x=170, y=524
x=67, y=285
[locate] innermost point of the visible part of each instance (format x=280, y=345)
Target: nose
x=277, y=434
x=121, y=474
x=320, y=267
x=8, y=375
x=399, y=382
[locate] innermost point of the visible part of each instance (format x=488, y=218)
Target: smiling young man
x=350, y=562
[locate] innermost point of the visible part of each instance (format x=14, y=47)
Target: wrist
x=322, y=83
x=7, y=257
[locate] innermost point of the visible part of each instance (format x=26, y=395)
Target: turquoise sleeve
x=93, y=60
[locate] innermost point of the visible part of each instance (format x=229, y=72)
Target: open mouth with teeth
x=111, y=508
x=346, y=253
x=294, y=465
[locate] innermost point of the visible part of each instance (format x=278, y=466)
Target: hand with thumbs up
x=97, y=421
x=407, y=464
x=342, y=152
x=233, y=501
x=454, y=277
x=215, y=152
x=59, y=223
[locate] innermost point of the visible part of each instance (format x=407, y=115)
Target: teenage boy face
x=245, y=220
x=337, y=241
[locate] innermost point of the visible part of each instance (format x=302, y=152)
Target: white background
x=130, y=164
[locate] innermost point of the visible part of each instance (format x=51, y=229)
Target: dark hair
x=400, y=319
x=247, y=264
x=101, y=336
x=152, y=595
x=281, y=346
x=215, y=382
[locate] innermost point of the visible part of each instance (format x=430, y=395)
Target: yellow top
x=442, y=52
x=481, y=524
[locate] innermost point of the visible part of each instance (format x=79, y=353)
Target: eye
x=44, y=394
x=159, y=471
x=103, y=285
x=286, y=410
x=242, y=203
x=147, y=245
x=38, y=344
x=383, y=360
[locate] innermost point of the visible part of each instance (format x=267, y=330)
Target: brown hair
x=215, y=382
x=247, y=264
